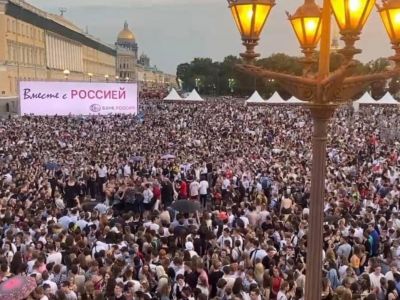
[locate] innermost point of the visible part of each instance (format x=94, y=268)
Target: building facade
x=132, y=68
x=127, y=50
x=35, y=45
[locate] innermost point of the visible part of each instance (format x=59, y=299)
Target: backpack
x=156, y=245
x=265, y=183
x=238, y=223
x=238, y=251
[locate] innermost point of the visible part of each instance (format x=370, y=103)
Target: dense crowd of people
x=86, y=203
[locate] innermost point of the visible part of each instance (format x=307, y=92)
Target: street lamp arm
x=305, y=88
x=339, y=87
x=268, y=74
x=370, y=78
x=330, y=89
x=353, y=85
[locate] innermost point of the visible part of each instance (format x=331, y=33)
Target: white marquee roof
x=387, y=99
x=194, y=96
x=255, y=98
x=276, y=99
x=173, y=95
x=294, y=100
x=366, y=99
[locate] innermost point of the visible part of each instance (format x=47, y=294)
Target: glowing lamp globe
x=351, y=15
x=306, y=23
x=390, y=14
x=250, y=17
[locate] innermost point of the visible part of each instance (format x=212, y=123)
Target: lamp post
x=90, y=76
x=66, y=74
x=231, y=84
x=116, y=78
x=197, y=82
x=106, y=77
x=322, y=91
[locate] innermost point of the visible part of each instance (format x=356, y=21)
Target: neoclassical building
x=132, y=68
x=127, y=54
x=37, y=45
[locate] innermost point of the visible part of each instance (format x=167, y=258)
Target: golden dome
x=126, y=34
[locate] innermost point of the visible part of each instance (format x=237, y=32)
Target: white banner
x=77, y=98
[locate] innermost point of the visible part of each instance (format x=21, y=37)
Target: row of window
x=61, y=54
x=94, y=54
x=98, y=68
x=124, y=66
x=23, y=54
x=24, y=29
x=124, y=75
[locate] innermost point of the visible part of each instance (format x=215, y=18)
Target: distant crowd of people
x=87, y=203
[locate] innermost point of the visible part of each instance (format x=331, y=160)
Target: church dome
x=126, y=34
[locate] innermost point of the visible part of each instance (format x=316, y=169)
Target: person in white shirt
x=59, y=201
x=194, y=190
x=190, y=248
x=225, y=186
x=245, y=220
x=69, y=293
x=102, y=171
x=7, y=178
x=282, y=291
x=203, y=190
x=53, y=257
x=393, y=270
x=246, y=184
x=127, y=170
x=223, y=238
x=257, y=252
x=148, y=197
x=375, y=278
x=52, y=285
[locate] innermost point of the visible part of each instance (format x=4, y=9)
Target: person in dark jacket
x=167, y=192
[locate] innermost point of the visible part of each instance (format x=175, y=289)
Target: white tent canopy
x=294, y=100
x=276, y=99
x=194, y=96
x=387, y=99
x=173, y=95
x=366, y=99
x=255, y=98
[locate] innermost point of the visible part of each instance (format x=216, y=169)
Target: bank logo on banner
x=95, y=107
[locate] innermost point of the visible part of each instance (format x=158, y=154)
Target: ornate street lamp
x=66, y=74
x=106, y=77
x=197, y=83
x=250, y=17
x=351, y=16
x=390, y=14
x=322, y=91
x=116, y=78
x=306, y=23
x=231, y=84
x=90, y=76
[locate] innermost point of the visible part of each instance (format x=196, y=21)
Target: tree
x=183, y=73
x=394, y=87
x=213, y=78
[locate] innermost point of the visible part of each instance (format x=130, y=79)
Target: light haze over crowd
x=175, y=31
